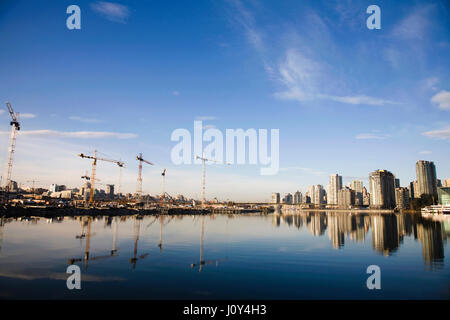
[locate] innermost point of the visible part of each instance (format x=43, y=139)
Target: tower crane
x=204, y=160
x=139, y=180
x=94, y=165
x=163, y=193
x=15, y=126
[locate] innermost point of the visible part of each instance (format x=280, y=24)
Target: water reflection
x=1, y=233
x=86, y=223
x=284, y=255
x=387, y=230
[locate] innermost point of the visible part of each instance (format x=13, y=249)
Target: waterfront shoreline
x=49, y=212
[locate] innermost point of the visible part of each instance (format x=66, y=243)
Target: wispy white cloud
x=348, y=11
x=246, y=20
x=411, y=32
x=86, y=120
x=304, y=77
x=300, y=75
x=361, y=100
x=175, y=93
x=393, y=56
x=27, y=115
x=112, y=11
x=368, y=136
x=415, y=25
x=425, y=152
x=442, y=99
x=244, y=17
x=431, y=83
x=75, y=134
x=443, y=134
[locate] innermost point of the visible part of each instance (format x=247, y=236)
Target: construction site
x=89, y=200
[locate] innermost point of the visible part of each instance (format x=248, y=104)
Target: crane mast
x=163, y=193
x=204, y=176
x=15, y=126
x=203, y=159
x=139, y=179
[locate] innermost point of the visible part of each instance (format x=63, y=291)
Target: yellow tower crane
x=94, y=165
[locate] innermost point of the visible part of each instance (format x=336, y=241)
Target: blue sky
x=346, y=99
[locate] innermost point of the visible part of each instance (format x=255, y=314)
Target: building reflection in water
x=1, y=233
x=387, y=230
x=431, y=235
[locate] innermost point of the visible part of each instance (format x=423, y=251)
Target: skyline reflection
x=300, y=254
x=387, y=230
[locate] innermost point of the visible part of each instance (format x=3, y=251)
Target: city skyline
x=346, y=99
x=384, y=191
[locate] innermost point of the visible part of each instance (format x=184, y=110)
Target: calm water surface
x=300, y=256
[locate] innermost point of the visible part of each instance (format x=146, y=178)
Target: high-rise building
x=396, y=182
x=382, y=191
x=311, y=193
x=275, y=197
x=307, y=199
x=357, y=186
x=346, y=197
x=333, y=187
x=426, y=178
x=287, y=199
x=110, y=191
x=298, y=197
x=411, y=189
x=402, y=198
x=317, y=194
